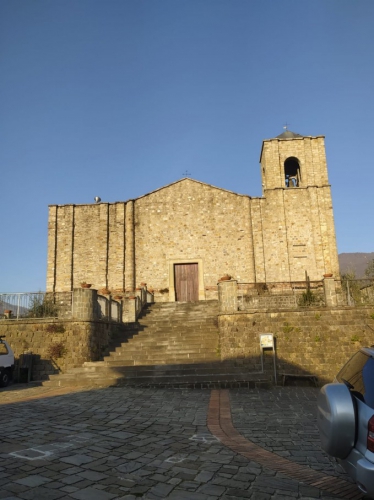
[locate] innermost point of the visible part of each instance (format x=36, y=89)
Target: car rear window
x=359, y=372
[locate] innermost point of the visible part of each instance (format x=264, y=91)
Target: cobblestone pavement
x=127, y=443
x=283, y=421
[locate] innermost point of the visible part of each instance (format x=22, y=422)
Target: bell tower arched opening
x=292, y=174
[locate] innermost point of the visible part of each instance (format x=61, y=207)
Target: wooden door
x=186, y=282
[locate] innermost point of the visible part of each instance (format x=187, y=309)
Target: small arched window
x=292, y=173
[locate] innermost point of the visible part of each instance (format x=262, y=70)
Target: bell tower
x=298, y=223
x=292, y=160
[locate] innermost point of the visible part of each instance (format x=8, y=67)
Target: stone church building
x=181, y=238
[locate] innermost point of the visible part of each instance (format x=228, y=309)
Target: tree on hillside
x=369, y=271
x=349, y=275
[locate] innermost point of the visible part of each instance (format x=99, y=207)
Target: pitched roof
x=287, y=134
x=191, y=180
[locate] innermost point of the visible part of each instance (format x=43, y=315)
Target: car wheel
x=336, y=420
x=4, y=378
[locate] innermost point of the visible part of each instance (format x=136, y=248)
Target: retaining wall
x=82, y=340
x=313, y=341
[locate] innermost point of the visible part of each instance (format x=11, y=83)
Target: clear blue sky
x=115, y=98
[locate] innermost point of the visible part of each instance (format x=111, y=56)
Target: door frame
x=200, y=273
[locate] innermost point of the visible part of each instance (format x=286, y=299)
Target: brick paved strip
x=220, y=424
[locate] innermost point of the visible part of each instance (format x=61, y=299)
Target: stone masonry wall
x=120, y=245
x=275, y=238
x=83, y=341
x=86, y=243
x=268, y=302
x=297, y=223
x=313, y=341
x=190, y=220
x=310, y=151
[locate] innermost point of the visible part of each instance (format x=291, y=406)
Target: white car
x=6, y=362
x=346, y=418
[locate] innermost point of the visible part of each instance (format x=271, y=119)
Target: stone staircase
x=174, y=344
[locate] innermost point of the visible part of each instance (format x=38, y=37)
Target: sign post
x=267, y=342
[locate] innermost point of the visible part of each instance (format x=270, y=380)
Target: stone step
x=177, y=305
x=208, y=377
x=162, y=359
x=181, y=335
x=175, y=328
x=216, y=367
x=170, y=320
x=176, y=334
x=172, y=343
x=162, y=350
x=202, y=314
x=149, y=355
x=164, y=344
x=167, y=316
x=154, y=313
x=106, y=380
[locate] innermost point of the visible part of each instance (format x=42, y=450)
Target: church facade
x=181, y=238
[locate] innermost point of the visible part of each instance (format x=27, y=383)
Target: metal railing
x=116, y=311
x=35, y=305
x=285, y=295
x=357, y=292
x=109, y=309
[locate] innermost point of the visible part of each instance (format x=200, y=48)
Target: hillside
x=356, y=262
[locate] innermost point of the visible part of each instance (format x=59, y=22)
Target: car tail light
x=370, y=443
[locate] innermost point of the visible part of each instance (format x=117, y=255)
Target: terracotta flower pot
x=86, y=285
x=327, y=275
x=8, y=314
x=225, y=277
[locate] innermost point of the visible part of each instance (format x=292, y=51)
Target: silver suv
x=346, y=418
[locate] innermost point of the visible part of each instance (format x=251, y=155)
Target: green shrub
x=42, y=307
x=287, y=328
x=307, y=299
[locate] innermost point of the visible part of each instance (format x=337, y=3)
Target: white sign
x=266, y=340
